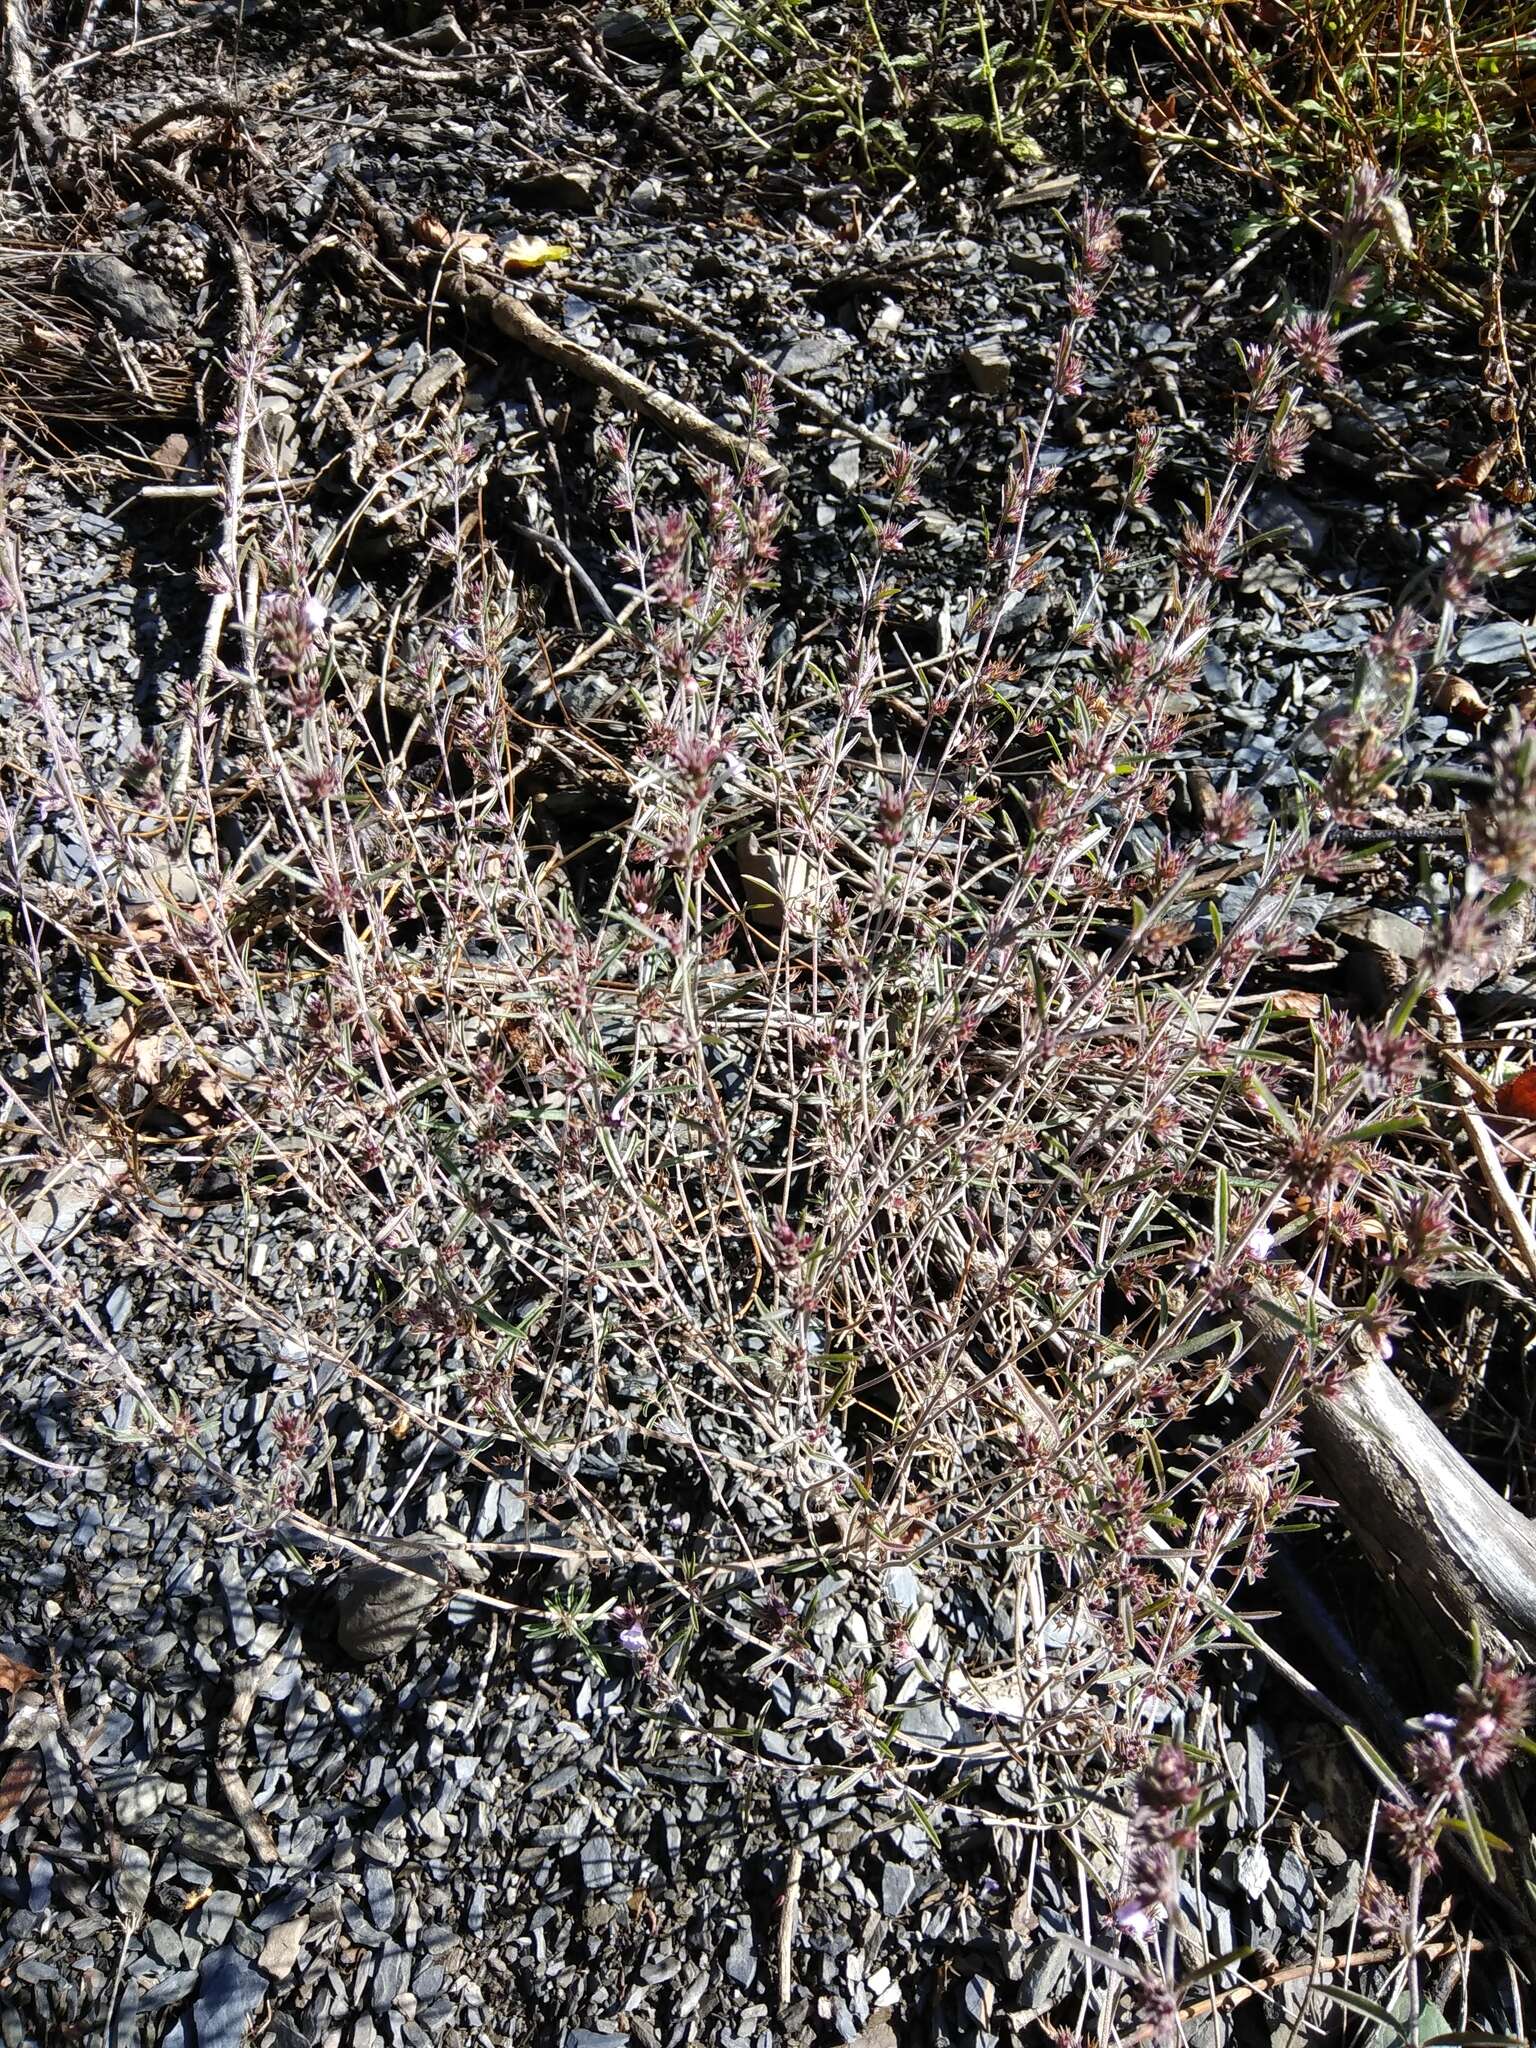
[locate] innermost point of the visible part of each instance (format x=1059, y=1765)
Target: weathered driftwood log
x=1449, y=1548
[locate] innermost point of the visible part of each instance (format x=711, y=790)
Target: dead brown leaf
x=14, y=1674
x=23, y=1775
x=1458, y=698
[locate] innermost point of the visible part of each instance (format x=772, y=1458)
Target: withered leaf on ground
x=14, y=1674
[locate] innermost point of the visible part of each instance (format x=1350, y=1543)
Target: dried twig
x=226, y=1757
x=23, y=84
x=227, y=552
x=184, y=110
x=789, y=1914
x=1500, y=1193
x=657, y=309
x=518, y=321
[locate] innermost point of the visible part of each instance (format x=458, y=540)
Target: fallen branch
x=233, y=489
x=1443, y=1540
x=518, y=321
x=19, y=75
x=226, y=1766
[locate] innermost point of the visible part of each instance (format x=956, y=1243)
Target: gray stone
x=989, y=367
x=570, y=187
x=237, y=1604
x=813, y=354
x=139, y=1802
x=379, y=1609
x=898, y=1881
x=1301, y=530
x=135, y=302
x=741, y=1960
x=597, y=1863
x=391, y=1974
x=1496, y=640
x=930, y=1720
x=1293, y=1893
x=442, y=37
x=210, y=1839
x=845, y=466
x=1045, y=1976
x=379, y=1887
x=228, y=1992
x=280, y=1950
x=443, y=366
x=130, y=1881
x=652, y=196
x=215, y=1918
x=903, y=1589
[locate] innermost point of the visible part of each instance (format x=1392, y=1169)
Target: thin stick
x=518, y=321
x=227, y=554
x=248, y=1683
x=1503, y=1196
x=18, y=70
x=657, y=309
x=789, y=1914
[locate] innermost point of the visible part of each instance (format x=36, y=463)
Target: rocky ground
x=254, y=1786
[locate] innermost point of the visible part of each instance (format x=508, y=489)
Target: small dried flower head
x=1098, y=238
x=1068, y=373
x=1390, y=1064
x=1287, y=444
x=1478, y=548
x=899, y=476
x=1314, y=345
x=1151, y=1891
x=1387, y=671
x=1426, y=1227
x=1414, y=1834
x=762, y=406
x=1503, y=827
x=1158, y=2005
x=1434, y=1764
x=891, y=811
x=1265, y=370
x=1383, y=1912
x=1368, y=186
x=1460, y=941
x=1168, y=1784
x=1229, y=820
x=290, y=628
x=1203, y=550
x=1380, y=1326
x=1491, y=1717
